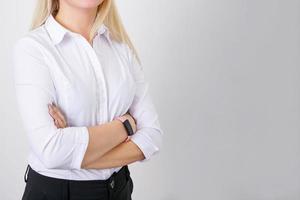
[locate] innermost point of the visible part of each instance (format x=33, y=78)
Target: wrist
x=121, y=129
x=127, y=125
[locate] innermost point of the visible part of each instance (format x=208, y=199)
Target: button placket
x=100, y=79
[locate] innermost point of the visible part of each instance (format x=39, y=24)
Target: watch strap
x=127, y=125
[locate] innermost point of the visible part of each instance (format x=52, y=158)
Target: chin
x=87, y=3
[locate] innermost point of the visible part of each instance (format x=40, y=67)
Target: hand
x=131, y=120
x=58, y=117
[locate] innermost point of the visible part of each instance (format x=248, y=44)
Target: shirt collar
x=57, y=31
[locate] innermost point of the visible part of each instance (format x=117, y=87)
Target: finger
x=56, y=123
x=59, y=114
x=65, y=123
x=61, y=119
x=53, y=112
x=56, y=113
x=60, y=122
x=54, y=116
x=50, y=110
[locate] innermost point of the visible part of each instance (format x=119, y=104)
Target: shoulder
x=28, y=51
x=32, y=42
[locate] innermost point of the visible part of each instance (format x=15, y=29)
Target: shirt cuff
x=81, y=147
x=145, y=144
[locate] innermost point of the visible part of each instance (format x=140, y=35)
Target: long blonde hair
x=107, y=14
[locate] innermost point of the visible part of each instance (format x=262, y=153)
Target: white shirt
x=91, y=84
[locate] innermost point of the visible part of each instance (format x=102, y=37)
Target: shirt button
x=112, y=184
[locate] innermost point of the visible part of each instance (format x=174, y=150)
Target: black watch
x=126, y=124
x=128, y=127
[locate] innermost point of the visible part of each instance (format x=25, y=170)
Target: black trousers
x=118, y=186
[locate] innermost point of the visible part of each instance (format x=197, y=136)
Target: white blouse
x=91, y=84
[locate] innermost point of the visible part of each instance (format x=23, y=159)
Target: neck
x=78, y=20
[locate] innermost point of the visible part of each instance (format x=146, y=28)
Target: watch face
x=128, y=127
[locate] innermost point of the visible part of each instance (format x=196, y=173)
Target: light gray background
x=224, y=75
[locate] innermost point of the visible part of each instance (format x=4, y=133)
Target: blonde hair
x=107, y=14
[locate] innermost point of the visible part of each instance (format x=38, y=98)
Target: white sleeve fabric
x=148, y=136
x=59, y=148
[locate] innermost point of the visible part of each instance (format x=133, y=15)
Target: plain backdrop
x=225, y=78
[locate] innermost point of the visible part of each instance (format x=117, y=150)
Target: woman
x=78, y=58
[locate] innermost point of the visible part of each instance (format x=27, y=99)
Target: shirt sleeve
x=62, y=148
x=148, y=136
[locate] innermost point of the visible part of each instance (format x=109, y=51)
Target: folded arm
x=63, y=148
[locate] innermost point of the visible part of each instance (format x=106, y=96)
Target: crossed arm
x=122, y=154
x=100, y=146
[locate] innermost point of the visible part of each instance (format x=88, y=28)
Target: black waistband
x=31, y=173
